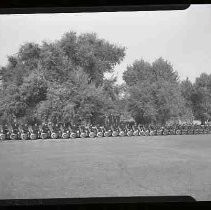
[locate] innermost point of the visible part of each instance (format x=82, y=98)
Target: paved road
x=135, y=166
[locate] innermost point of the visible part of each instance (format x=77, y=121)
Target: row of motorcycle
x=97, y=131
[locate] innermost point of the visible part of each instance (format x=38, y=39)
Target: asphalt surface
x=100, y=167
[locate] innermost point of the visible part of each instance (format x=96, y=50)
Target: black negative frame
x=65, y=6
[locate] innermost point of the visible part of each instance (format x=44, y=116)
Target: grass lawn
x=127, y=166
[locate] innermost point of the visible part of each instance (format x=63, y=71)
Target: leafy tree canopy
x=62, y=79
x=201, y=98
x=153, y=91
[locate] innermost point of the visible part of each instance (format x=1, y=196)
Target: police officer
x=54, y=130
x=44, y=130
x=14, y=132
x=4, y=131
x=57, y=128
x=24, y=131
x=74, y=131
x=34, y=131
x=64, y=131
x=15, y=128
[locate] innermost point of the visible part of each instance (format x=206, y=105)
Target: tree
x=159, y=70
x=163, y=70
x=187, y=91
x=137, y=72
x=56, y=60
x=11, y=104
x=33, y=90
x=153, y=90
x=140, y=105
x=76, y=100
x=61, y=80
x=198, y=96
x=96, y=56
x=201, y=98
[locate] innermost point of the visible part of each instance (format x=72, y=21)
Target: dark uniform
x=64, y=131
x=135, y=129
x=92, y=131
x=44, y=131
x=99, y=131
x=4, y=131
x=15, y=128
x=35, y=128
x=34, y=131
x=24, y=131
x=14, y=132
x=114, y=131
x=54, y=130
x=73, y=130
x=82, y=132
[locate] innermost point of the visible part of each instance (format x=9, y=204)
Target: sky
x=183, y=37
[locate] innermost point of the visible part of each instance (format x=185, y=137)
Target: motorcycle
x=146, y=132
x=129, y=133
x=83, y=135
x=33, y=136
x=108, y=133
x=100, y=132
x=92, y=134
x=24, y=136
x=65, y=135
x=135, y=133
x=54, y=135
x=73, y=135
x=152, y=132
x=44, y=135
x=165, y=132
x=13, y=136
x=178, y=132
x=2, y=136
